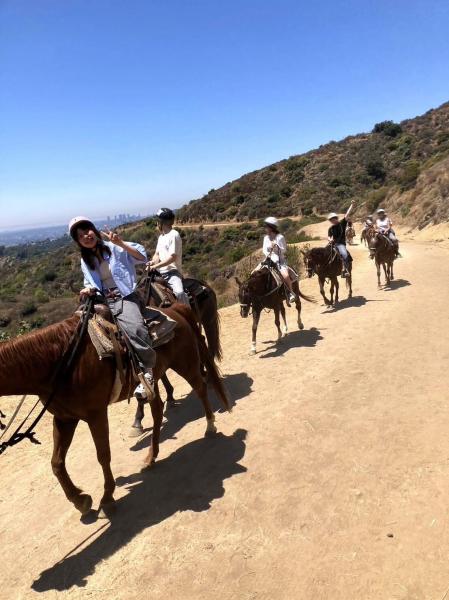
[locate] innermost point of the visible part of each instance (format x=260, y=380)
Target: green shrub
x=28, y=309
x=41, y=296
x=388, y=128
x=409, y=174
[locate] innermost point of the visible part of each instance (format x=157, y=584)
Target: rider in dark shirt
x=337, y=235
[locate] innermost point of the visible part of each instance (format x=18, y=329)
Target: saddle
x=164, y=296
x=106, y=337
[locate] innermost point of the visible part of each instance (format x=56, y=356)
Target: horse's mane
x=48, y=343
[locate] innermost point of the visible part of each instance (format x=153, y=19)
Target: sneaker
x=344, y=274
x=292, y=297
x=140, y=392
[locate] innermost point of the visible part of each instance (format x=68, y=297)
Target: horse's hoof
x=106, y=511
x=83, y=503
x=146, y=465
x=252, y=352
x=135, y=432
x=211, y=433
x=301, y=325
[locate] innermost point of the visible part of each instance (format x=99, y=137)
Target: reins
x=62, y=369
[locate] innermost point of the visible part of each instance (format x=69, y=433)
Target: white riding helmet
x=332, y=216
x=76, y=221
x=380, y=210
x=272, y=221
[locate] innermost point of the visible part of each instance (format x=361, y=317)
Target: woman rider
x=275, y=248
x=109, y=267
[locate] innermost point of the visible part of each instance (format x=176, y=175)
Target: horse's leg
x=157, y=409
x=193, y=376
x=322, y=292
x=332, y=290
x=277, y=322
x=391, y=270
x=298, y=306
x=256, y=317
x=99, y=428
x=63, y=432
x=378, y=272
x=387, y=279
x=337, y=287
x=284, y=318
x=169, y=389
x=349, y=282
x=137, y=427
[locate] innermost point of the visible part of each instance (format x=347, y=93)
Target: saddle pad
x=99, y=330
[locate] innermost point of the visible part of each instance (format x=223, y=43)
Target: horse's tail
x=211, y=324
x=306, y=298
x=206, y=357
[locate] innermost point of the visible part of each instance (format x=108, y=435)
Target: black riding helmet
x=165, y=214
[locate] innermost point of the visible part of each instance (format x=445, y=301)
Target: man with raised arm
x=337, y=235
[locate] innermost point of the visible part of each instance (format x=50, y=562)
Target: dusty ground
x=329, y=480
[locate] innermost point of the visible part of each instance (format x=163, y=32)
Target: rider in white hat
x=275, y=248
x=337, y=235
x=384, y=225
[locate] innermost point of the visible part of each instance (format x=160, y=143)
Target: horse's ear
x=238, y=282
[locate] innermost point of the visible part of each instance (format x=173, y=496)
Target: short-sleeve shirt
x=338, y=232
x=168, y=244
x=384, y=224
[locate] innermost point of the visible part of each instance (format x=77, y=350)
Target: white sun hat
x=272, y=221
x=380, y=210
x=77, y=221
x=332, y=216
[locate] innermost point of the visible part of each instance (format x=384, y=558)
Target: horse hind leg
x=169, y=390
x=277, y=322
x=99, y=428
x=298, y=306
x=157, y=409
x=137, y=427
x=63, y=432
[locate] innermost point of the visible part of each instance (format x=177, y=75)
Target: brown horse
x=262, y=291
x=367, y=234
x=157, y=293
x=326, y=263
x=383, y=252
x=28, y=362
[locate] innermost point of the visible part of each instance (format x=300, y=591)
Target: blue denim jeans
x=342, y=250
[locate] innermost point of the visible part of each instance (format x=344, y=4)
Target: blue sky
x=113, y=106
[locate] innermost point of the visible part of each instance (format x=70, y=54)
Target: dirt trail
x=329, y=480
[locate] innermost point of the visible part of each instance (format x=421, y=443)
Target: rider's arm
x=164, y=263
x=135, y=250
x=349, y=211
x=267, y=246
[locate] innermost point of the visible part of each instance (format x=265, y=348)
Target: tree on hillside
x=388, y=128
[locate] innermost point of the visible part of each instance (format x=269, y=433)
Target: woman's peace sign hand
x=111, y=236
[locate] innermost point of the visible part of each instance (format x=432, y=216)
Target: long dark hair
x=87, y=254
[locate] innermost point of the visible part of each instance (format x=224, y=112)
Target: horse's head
x=244, y=297
x=308, y=262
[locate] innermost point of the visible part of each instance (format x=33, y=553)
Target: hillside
x=39, y=281
x=403, y=166
x=377, y=167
